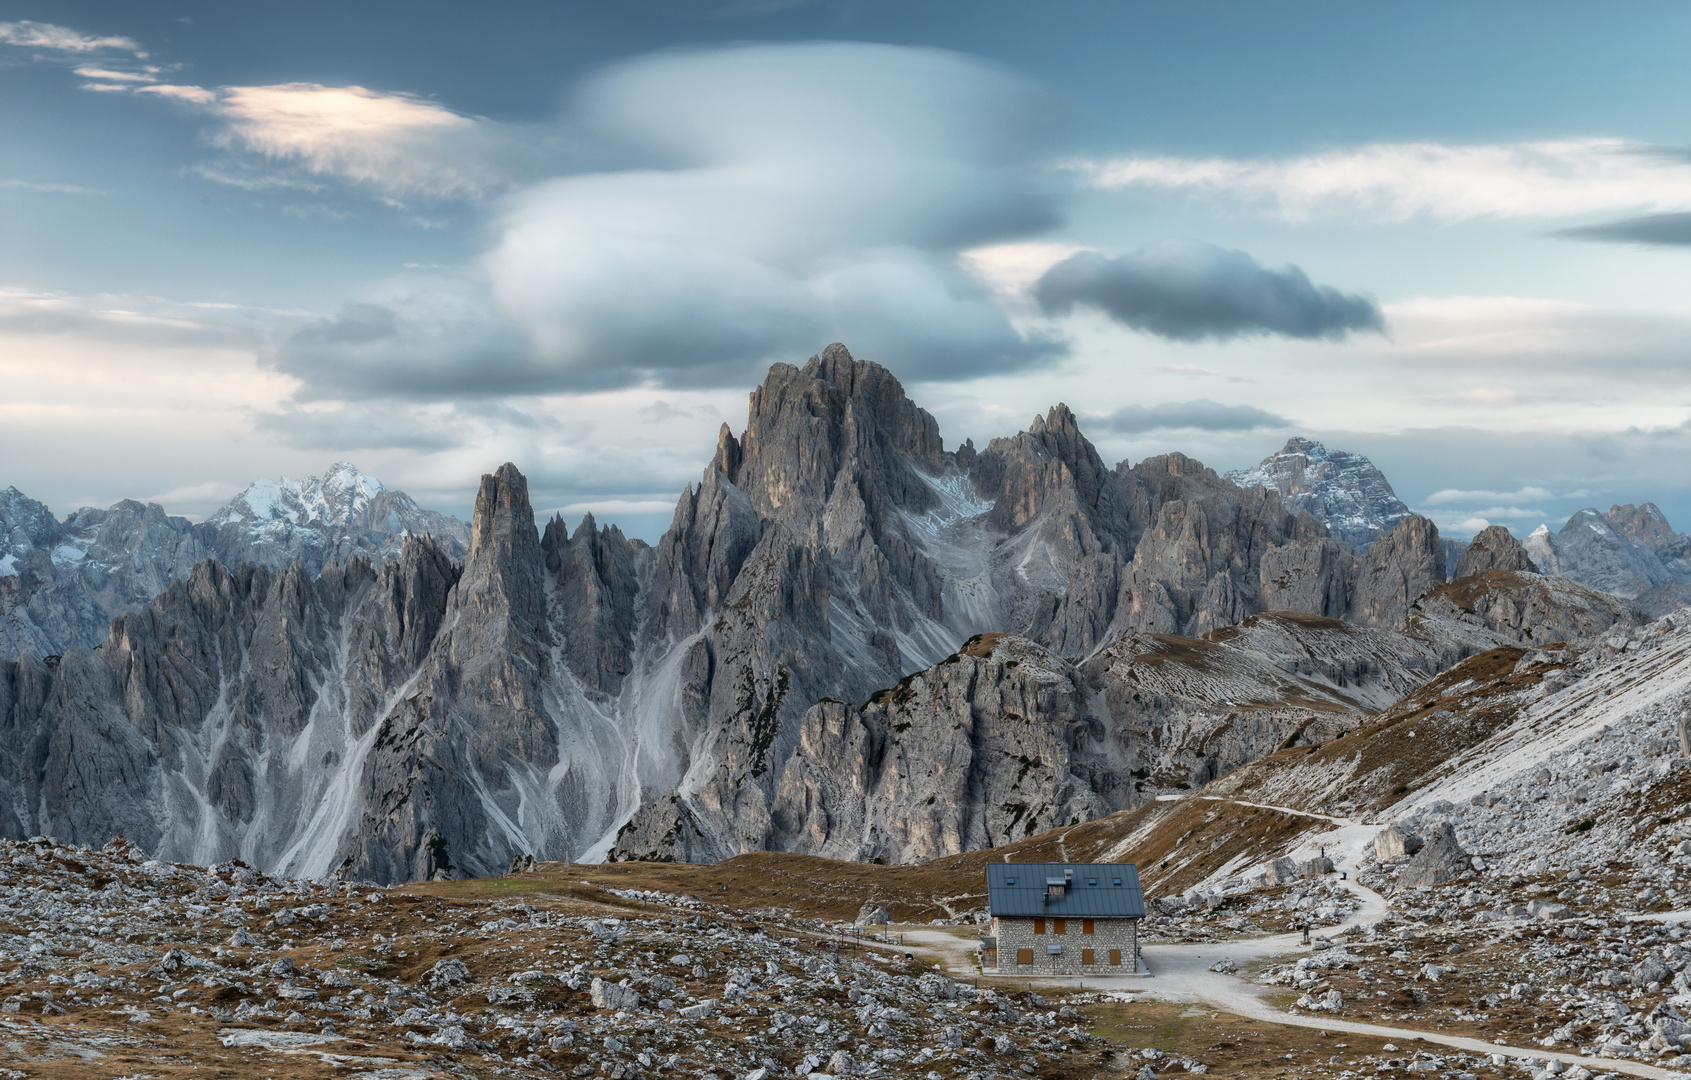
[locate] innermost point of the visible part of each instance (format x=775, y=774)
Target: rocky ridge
x=1630, y=551
x=426, y=718
x=62, y=582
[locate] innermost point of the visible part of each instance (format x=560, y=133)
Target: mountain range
x=62, y=582
x=850, y=641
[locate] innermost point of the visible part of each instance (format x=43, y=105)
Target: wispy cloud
x=1657, y=230
x=39, y=35
x=621, y=506
x=192, y=95
x=1400, y=181
x=115, y=76
x=57, y=189
x=1525, y=494
x=1202, y=415
x=396, y=144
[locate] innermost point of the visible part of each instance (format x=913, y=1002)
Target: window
x=1039, y=926
x=1062, y=926
x=1086, y=926
x=1115, y=957
x=1024, y=956
x=1118, y=881
x=1086, y=957
x=1012, y=881
x=1092, y=881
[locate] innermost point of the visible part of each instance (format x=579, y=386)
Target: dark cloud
x=1663, y=230
x=1188, y=291
x=1201, y=414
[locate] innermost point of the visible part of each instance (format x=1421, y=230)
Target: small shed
x=1063, y=919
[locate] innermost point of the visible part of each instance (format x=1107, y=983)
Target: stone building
x=1063, y=919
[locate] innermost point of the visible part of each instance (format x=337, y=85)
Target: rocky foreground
x=124, y=966
x=121, y=966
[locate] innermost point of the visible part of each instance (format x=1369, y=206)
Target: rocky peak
x=1647, y=525
x=24, y=523
x=1338, y=487
x=1494, y=548
x=1051, y=467
x=1396, y=570
x=500, y=588
x=333, y=499
x=1591, y=551
x=836, y=419
x=728, y=454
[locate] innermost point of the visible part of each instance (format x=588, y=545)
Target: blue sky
x=242, y=240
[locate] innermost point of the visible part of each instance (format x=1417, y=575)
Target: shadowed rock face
x=1005, y=738
x=572, y=695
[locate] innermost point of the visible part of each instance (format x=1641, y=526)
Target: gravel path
x=1181, y=973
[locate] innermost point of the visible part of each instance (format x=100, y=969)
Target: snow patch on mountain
x=1338, y=487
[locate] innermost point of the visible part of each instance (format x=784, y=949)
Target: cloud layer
x=1400, y=181
x=1189, y=291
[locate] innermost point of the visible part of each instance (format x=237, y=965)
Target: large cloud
x=771, y=199
x=1188, y=291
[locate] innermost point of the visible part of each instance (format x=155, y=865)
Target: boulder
x=1395, y=842
x=1545, y=911
x=614, y=997
x=1650, y=970
x=872, y=914
x=1440, y=859
x=1317, y=867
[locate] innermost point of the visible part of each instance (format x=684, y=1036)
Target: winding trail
x=1181, y=973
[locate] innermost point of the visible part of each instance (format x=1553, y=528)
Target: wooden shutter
x=1062, y=926
x=1039, y=926
x=1115, y=957
x=1024, y=956
x=1086, y=926
x=1086, y=957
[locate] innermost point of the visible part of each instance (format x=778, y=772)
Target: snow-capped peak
x=1336, y=486
x=333, y=499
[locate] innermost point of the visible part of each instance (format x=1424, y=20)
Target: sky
x=242, y=240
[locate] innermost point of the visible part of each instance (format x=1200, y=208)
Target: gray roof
x=1096, y=890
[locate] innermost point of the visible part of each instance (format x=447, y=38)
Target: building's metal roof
x=1095, y=890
